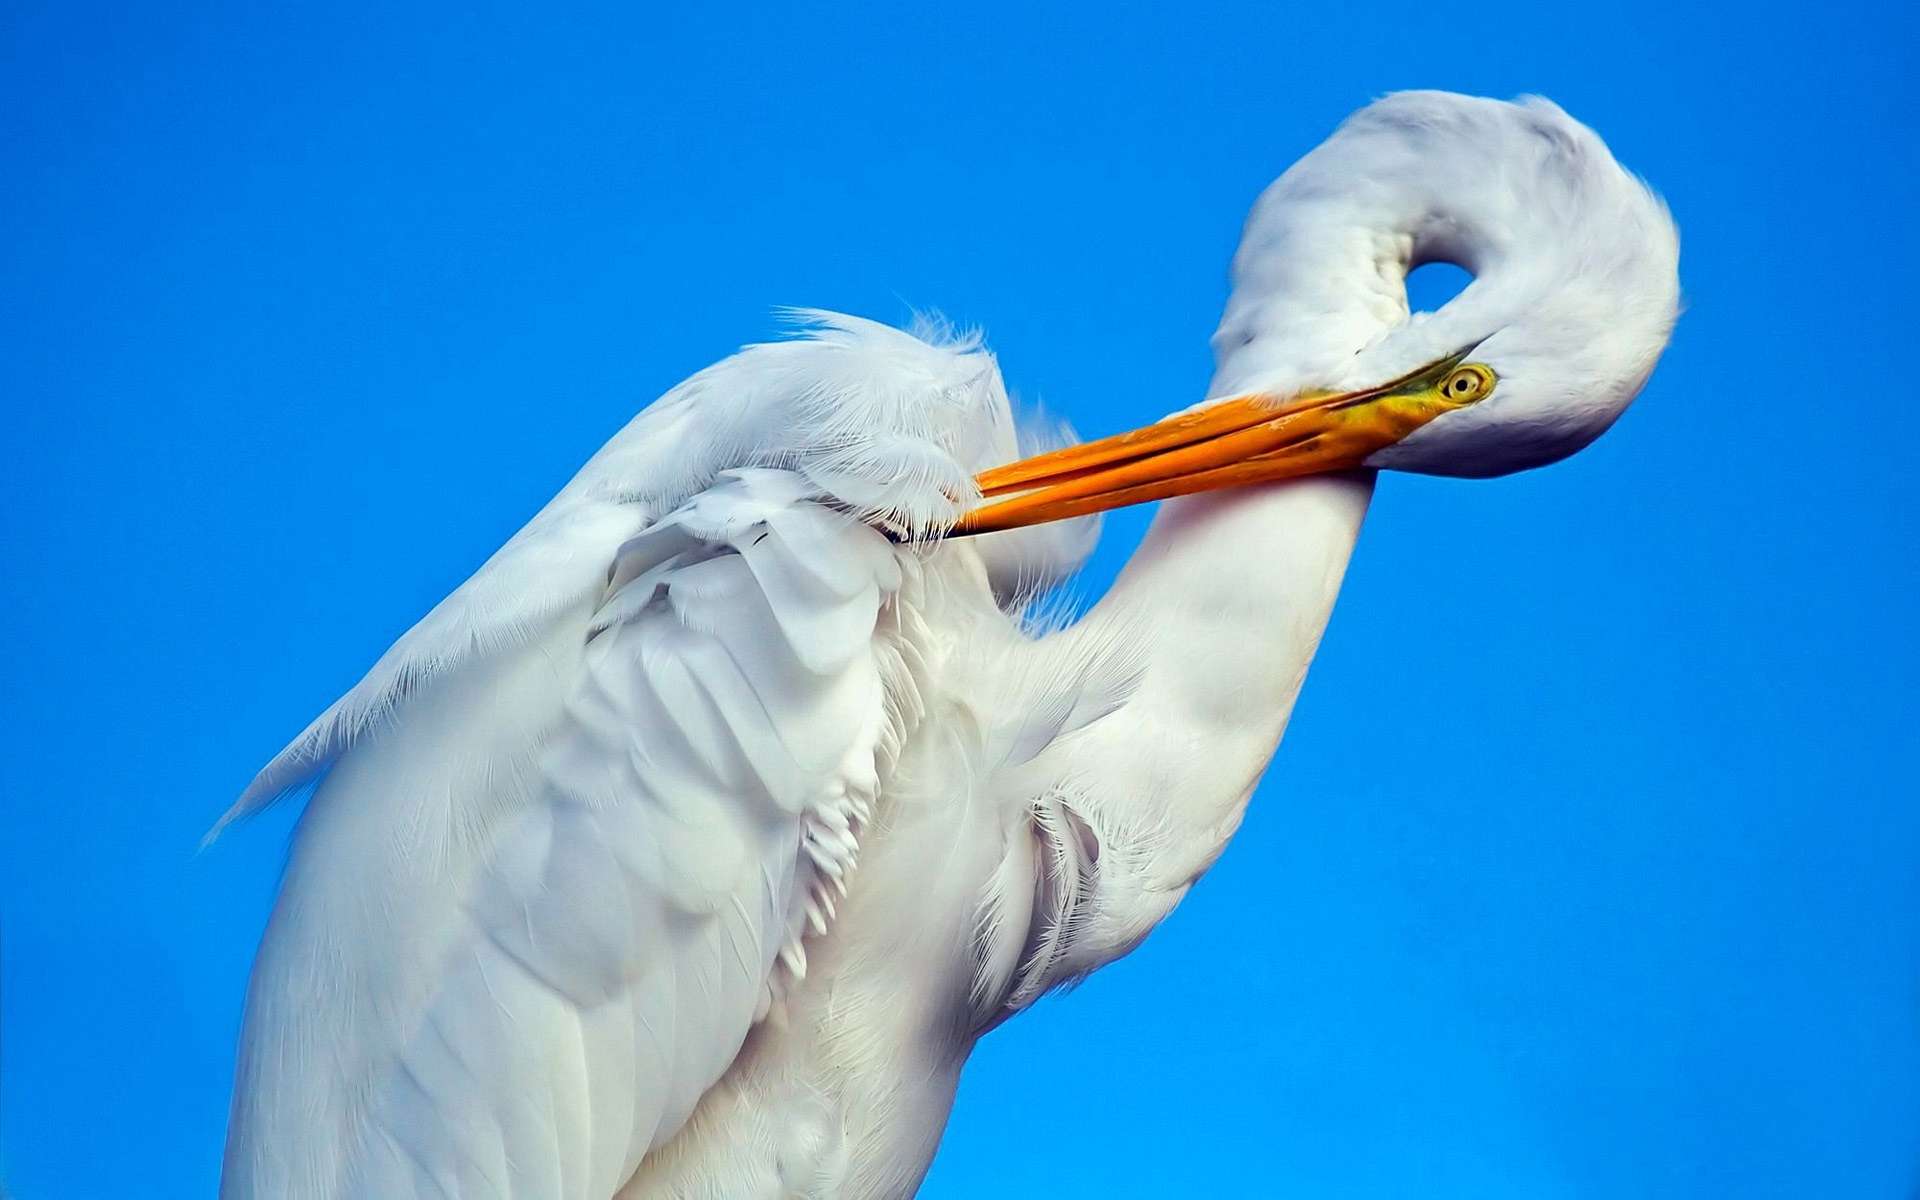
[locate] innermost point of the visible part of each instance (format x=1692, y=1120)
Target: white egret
x=688, y=847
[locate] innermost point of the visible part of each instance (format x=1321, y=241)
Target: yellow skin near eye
x=1237, y=441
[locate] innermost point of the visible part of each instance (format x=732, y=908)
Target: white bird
x=688, y=847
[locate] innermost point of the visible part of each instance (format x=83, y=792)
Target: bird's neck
x=1227, y=596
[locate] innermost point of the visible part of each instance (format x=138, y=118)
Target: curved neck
x=1319, y=293
x=1308, y=293
x=1228, y=596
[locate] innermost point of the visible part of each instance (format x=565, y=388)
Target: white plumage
x=577, y=823
x=687, y=848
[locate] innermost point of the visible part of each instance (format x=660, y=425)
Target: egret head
x=1320, y=366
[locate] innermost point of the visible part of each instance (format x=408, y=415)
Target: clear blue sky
x=302, y=312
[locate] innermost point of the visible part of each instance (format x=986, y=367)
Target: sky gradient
x=303, y=313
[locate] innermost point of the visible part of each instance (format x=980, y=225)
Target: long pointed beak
x=1242, y=440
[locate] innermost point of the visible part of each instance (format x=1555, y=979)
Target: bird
x=688, y=848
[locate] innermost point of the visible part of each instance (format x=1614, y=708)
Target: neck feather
x=1514, y=193
x=1229, y=594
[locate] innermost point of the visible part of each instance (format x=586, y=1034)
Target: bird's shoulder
x=884, y=425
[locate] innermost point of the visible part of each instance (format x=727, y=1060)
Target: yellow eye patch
x=1467, y=383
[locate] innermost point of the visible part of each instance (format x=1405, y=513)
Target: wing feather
x=568, y=833
x=611, y=952
x=889, y=424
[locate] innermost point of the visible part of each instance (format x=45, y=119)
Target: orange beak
x=1242, y=440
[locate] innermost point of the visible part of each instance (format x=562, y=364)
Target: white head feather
x=1575, y=266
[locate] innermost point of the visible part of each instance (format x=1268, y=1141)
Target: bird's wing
x=889, y=424
x=567, y=841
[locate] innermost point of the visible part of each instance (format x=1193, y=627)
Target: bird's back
x=570, y=834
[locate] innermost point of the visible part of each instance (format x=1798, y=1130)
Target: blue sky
x=302, y=312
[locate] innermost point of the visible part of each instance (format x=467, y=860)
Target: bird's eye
x=1467, y=383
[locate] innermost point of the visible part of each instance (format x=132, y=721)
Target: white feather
x=693, y=677
x=687, y=848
